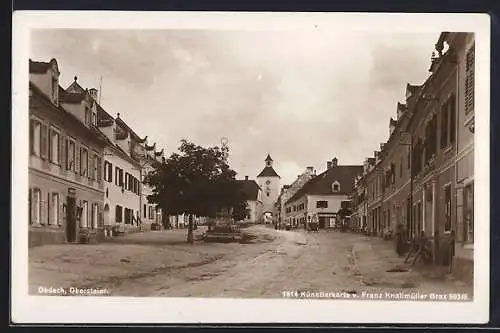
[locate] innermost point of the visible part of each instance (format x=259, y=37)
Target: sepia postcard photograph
x=218, y=167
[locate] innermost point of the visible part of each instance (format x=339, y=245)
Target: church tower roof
x=268, y=170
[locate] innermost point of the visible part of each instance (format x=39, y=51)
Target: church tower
x=269, y=182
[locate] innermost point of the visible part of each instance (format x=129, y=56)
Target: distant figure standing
x=399, y=239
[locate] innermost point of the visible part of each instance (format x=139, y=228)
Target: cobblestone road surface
x=162, y=264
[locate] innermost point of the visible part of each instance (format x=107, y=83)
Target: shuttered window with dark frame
x=452, y=118
x=469, y=79
x=444, y=125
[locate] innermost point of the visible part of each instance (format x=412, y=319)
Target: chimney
x=246, y=177
x=309, y=169
x=93, y=93
x=334, y=162
x=328, y=165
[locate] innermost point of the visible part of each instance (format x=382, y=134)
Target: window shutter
x=77, y=158
x=43, y=140
x=444, y=121
x=30, y=205
x=99, y=169
x=62, y=218
x=452, y=118
x=60, y=148
x=469, y=80
x=110, y=172
x=66, y=150
x=32, y=139
x=43, y=209
x=49, y=208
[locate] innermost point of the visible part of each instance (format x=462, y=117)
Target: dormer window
x=335, y=186
x=87, y=116
x=55, y=89
x=94, y=118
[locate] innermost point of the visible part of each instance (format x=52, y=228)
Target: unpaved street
x=162, y=264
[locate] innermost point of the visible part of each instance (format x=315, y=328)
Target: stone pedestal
x=223, y=217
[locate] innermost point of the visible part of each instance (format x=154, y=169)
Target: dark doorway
x=322, y=222
x=71, y=219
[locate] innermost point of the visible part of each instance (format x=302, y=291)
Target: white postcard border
x=50, y=309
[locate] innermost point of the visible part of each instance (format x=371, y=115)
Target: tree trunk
x=190, y=238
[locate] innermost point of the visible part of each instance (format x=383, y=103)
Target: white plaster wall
x=126, y=199
x=274, y=186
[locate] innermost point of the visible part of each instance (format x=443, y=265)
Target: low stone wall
x=45, y=236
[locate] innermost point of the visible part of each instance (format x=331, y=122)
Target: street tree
x=196, y=181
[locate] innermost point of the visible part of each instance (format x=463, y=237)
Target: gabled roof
x=68, y=116
x=268, y=172
x=153, y=147
x=41, y=67
x=75, y=87
x=322, y=184
x=268, y=158
x=133, y=135
x=250, y=188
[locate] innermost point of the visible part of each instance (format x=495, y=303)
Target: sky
x=304, y=97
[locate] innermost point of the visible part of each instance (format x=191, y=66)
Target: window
x=93, y=166
x=87, y=116
x=35, y=137
x=321, y=204
x=268, y=182
x=118, y=176
x=127, y=183
x=118, y=213
x=128, y=216
x=70, y=154
x=335, y=186
x=469, y=80
x=448, y=122
x=151, y=212
x=44, y=141
x=55, y=209
x=108, y=171
x=84, y=219
x=401, y=168
x=94, y=118
x=469, y=213
x=447, y=208
x=84, y=161
x=267, y=193
x=54, y=147
x=37, y=202
x=55, y=87
x=452, y=106
x=144, y=210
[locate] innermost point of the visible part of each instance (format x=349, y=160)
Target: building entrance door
x=322, y=222
x=70, y=219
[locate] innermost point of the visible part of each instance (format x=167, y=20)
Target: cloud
x=303, y=97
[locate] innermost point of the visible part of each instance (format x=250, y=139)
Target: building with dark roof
x=321, y=197
x=269, y=181
x=65, y=162
x=253, y=195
